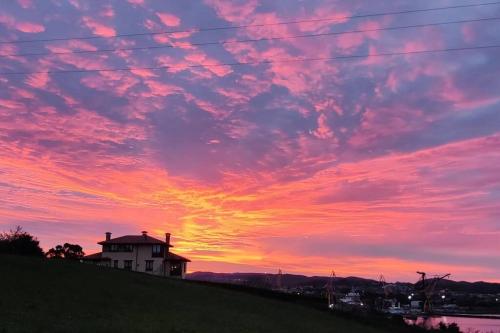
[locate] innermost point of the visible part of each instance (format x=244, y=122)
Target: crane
x=427, y=286
x=388, y=288
x=330, y=291
x=279, y=278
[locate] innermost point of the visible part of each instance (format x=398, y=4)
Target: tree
x=73, y=251
x=18, y=241
x=55, y=252
x=66, y=251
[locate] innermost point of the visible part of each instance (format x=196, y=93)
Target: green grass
x=57, y=296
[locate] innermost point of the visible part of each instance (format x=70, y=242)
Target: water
x=467, y=325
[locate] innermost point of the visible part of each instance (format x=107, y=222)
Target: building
x=141, y=253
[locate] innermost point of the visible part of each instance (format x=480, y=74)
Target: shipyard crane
x=427, y=287
x=330, y=291
x=279, y=280
x=388, y=288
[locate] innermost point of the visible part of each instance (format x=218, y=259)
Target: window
x=115, y=263
x=118, y=248
x=175, y=269
x=127, y=264
x=126, y=248
x=149, y=265
x=157, y=251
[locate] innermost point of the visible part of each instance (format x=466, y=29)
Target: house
x=141, y=253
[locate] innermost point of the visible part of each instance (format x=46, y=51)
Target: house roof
x=134, y=239
x=95, y=256
x=170, y=257
x=175, y=257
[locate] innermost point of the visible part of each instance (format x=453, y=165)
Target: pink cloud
x=233, y=11
x=469, y=33
x=136, y=2
x=328, y=104
x=118, y=82
x=144, y=73
x=66, y=46
x=158, y=88
x=447, y=90
x=107, y=11
x=29, y=27
x=9, y=104
x=387, y=123
x=38, y=80
x=98, y=28
x=323, y=131
x=25, y=3
x=168, y=19
x=23, y=26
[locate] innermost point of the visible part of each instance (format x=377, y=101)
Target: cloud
x=23, y=26
x=262, y=165
x=26, y=4
x=98, y=28
x=38, y=80
x=234, y=11
x=168, y=19
x=136, y=2
x=323, y=131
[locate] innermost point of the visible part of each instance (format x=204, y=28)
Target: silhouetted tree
x=55, y=252
x=18, y=241
x=73, y=251
x=66, y=251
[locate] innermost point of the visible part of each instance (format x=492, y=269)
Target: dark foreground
x=59, y=296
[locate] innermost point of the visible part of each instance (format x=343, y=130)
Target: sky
x=368, y=165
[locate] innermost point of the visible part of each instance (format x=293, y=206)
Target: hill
x=263, y=280
x=59, y=296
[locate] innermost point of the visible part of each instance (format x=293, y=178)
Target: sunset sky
x=369, y=165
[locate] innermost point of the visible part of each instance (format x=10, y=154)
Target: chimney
x=108, y=236
x=167, y=240
x=145, y=234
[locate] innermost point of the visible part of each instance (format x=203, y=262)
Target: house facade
x=141, y=253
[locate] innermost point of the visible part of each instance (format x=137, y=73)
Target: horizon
x=341, y=277
x=307, y=136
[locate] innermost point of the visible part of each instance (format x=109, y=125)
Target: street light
x=409, y=297
x=443, y=297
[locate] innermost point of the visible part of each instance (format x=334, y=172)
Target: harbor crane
x=427, y=286
x=330, y=291
x=388, y=288
x=279, y=280
x=387, y=302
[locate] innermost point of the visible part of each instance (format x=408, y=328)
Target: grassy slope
x=42, y=295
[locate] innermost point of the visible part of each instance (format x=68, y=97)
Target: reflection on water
x=467, y=325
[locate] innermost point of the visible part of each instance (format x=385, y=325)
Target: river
x=466, y=324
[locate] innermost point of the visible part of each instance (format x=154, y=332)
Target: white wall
x=139, y=255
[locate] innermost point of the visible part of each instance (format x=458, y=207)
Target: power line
x=252, y=40
x=201, y=29
x=262, y=62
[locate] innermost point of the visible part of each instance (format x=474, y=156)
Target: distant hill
x=288, y=280
x=291, y=280
x=40, y=295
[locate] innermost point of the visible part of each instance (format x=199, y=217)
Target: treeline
x=20, y=242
